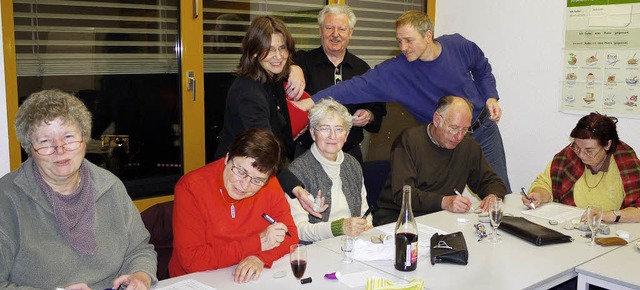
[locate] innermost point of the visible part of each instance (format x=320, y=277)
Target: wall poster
x=602, y=50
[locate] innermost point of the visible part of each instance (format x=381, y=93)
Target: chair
x=158, y=220
x=375, y=175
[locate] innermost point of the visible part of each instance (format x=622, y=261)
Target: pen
x=533, y=206
x=366, y=213
x=272, y=221
x=460, y=194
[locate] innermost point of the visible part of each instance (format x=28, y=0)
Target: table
x=320, y=261
x=606, y=271
x=513, y=264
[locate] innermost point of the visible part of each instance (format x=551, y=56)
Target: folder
x=299, y=119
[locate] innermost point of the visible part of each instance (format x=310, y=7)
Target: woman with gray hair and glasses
x=325, y=168
x=60, y=209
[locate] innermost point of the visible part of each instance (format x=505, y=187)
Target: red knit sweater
x=205, y=235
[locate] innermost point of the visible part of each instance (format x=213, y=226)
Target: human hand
x=362, y=117
x=535, y=197
x=307, y=201
x=354, y=226
x=484, y=204
x=456, y=203
x=295, y=83
x=494, y=110
x=135, y=281
x=272, y=236
x=304, y=105
x=78, y=286
x=249, y=268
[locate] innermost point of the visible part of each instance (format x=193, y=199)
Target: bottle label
x=414, y=253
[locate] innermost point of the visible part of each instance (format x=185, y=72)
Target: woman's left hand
x=249, y=268
x=135, y=281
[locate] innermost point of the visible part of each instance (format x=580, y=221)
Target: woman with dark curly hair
x=596, y=169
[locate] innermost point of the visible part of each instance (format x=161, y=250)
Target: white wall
x=4, y=131
x=523, y=40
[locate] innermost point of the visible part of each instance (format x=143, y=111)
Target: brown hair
x=417, y=20
x=257, y=42
x=261, y=145
x=598, y=127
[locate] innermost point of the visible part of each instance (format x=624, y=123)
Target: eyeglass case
x=532, y=232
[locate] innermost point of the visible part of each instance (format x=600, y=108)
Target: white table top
x=618, y=266
x=320, y=261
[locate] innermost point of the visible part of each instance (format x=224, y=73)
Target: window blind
x=67, y=37
x=225, y=23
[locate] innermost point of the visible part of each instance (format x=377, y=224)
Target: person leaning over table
x=217, y=213
x=256, y=99
x=427, y=69
x=65, y=222
x=435, y=159
x=326, y=168
x=597, y=168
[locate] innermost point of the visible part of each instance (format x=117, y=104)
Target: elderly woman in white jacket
x=338, y=176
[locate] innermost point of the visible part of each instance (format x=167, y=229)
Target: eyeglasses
x=480, y=231
x=455, y=130
x=282, y=50
x=325, y=131
x=337, y=74
x=442, y=245
x=243, y=174
x=49, y=150
x=590, y=152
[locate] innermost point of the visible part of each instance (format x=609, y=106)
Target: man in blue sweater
x=426, y=70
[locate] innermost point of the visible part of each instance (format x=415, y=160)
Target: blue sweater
x=460, y=70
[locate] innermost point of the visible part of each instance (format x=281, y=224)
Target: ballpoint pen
x=272, y=221
x=460, y=194
x=366, y=213
x=533, y=206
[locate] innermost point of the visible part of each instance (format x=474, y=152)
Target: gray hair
x=329, y=107
x=337, y=9
x=45, y=106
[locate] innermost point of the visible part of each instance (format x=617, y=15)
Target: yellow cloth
x=609, y=193
x=382, y=284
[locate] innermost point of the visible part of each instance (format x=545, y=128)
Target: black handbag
x=450, y=248
x=529, y=231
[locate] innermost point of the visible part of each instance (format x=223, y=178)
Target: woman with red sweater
x=217, y=214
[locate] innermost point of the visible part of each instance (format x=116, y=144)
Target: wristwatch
x=617, y=214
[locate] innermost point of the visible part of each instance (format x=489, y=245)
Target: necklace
x=233, y=207
x=592, y=187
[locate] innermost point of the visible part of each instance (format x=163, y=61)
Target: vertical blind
x=226, y=21
x=67, y=37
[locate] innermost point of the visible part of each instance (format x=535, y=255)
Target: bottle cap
x=305, y=280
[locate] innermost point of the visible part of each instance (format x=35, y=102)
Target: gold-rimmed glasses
x=589, y=152
x=242, y=174
x=49, y=150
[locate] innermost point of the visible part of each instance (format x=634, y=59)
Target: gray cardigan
x=34, y=254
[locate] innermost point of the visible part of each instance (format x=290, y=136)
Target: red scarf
x=567, y=168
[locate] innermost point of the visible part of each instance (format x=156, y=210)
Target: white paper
x=554, y=211
x=610, y=15
x=188, y=284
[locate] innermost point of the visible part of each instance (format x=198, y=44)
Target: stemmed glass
x=298, y=259
x=594, y=218
x=496, y=210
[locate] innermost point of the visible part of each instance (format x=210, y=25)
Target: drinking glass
x=496, y=210
x=347, y=246
x=298, y=259
x=594, y=218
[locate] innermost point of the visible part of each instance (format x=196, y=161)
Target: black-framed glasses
x=337, y=74
x=242, y=174
x=590, y=152
x=49, y=150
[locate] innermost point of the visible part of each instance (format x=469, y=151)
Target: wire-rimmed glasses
x=49, y=150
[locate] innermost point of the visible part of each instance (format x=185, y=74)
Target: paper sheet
x=188, y=284
x=554, y=211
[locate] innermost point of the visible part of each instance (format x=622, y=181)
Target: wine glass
x=298, y=259
x=594, y=218
x=496, y=210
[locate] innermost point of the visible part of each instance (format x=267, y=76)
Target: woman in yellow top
x=595, y=169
